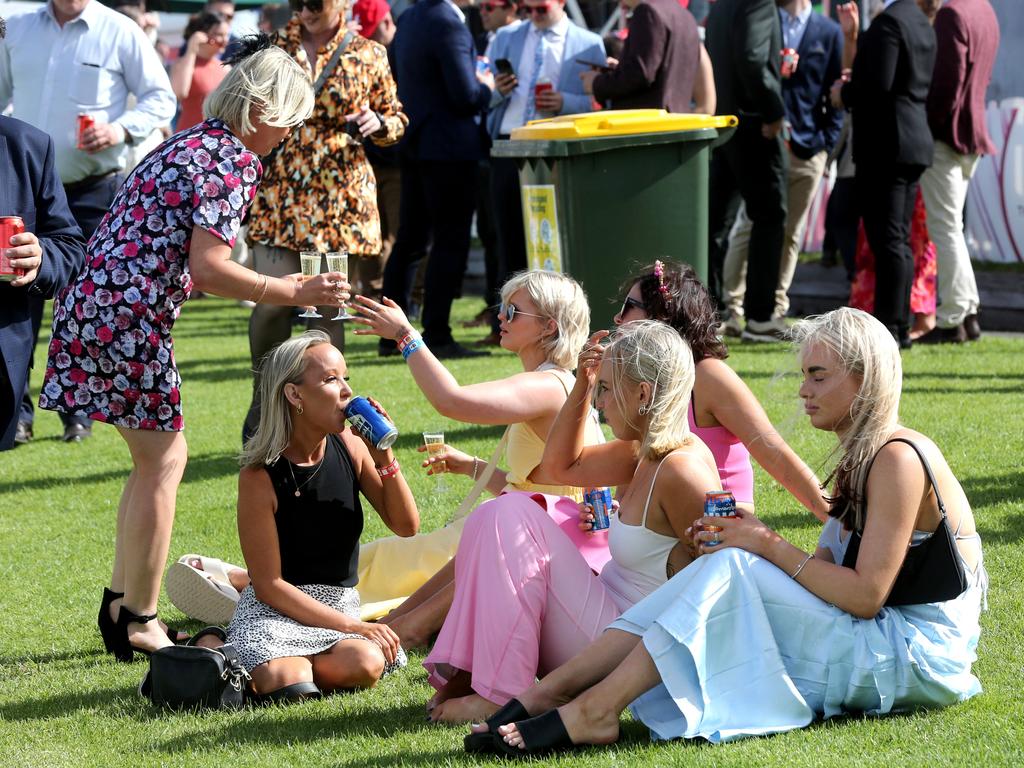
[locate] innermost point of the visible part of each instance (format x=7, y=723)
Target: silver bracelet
x=475, y=460
x=800, y=567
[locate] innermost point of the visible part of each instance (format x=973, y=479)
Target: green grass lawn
x=64, y=703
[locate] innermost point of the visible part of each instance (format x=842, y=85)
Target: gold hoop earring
x=298, y=410
x=644, y=409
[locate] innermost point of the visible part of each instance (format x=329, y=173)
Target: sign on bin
x=543, y=243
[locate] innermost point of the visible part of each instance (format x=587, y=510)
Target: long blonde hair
x=561, y=299
x=653, y=352
x=866, y=349
x=284, y=364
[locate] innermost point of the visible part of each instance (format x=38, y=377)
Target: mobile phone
x=504, y=67
x=594, y=64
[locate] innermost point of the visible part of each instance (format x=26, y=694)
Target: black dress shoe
x=954, y=335
x=76, y=433
x=453, y=350
x=388, y=350
x=23, y=434
x=972, y=328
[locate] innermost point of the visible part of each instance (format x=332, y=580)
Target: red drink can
x=543, y=85
x=9, y=227
x=85, y=121
x=789, y=59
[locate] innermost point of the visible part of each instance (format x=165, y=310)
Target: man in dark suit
x=744, y=40
x=659, y=61
x=967, y=38
x=51, y=250
x=892, y=145
x=813, y=126
x=444, y=97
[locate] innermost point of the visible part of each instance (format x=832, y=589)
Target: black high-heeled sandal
x=123, y=648
x=108, y=627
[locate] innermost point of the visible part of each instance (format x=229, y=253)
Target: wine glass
x=309, y=261
x=337, y=261
x=435, y=447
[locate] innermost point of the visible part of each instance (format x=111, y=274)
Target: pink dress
x=526, y=601
x=731, y=457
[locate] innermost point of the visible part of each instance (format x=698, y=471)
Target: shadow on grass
x=106, y=702
x=51, y=657
x=990, y=490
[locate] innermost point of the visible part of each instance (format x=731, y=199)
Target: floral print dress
x=111, y=357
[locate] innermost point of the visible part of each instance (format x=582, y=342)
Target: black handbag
x=189, y=677
x=932, y=571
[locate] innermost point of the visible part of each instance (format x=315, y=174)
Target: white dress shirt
x=515, y=113
x=90, y=65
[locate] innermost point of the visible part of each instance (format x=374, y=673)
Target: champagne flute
x=309, y=261
x=337, y=261
x=435, y=447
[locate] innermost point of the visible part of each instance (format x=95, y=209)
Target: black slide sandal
x=485, y=742
x=542, y=735
x=289, y=694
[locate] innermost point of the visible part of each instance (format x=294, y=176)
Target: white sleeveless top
x=639, y=556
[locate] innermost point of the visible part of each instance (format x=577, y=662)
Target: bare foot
x=459, y=684
x=463, y=709
x=585, y=723
x=411, y=635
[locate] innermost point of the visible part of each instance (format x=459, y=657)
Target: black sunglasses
x=630, y=303
x=314, y=6
x=511, y=310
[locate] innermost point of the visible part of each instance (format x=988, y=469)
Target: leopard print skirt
x=261, y=634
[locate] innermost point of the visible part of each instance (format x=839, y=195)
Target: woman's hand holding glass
x=327, y=289
x=386, y=319
x=450, y=460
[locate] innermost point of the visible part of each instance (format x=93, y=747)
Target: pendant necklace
x=298, y=486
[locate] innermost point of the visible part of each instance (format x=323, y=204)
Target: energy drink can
x=368, y=422
x=789, y=59
x=718, y=504
x=600, y=501
x=9, y=227
x=85, y=121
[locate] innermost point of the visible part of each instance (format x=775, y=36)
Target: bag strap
x=331, y=64
x=481, y=482
x=927, y=470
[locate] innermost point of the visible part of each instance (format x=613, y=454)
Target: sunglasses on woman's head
x=511, y=310
x=313, y=6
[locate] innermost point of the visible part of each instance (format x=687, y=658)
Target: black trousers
x=886, y=195
x=88, y=204
x=436, y=212
x=841, y=219
x=487, y=232
x=753, y=168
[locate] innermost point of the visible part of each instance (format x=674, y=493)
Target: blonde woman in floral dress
x=318, y=190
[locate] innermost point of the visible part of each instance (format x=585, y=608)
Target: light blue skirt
x=743, y=650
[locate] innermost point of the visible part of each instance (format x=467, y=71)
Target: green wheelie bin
x=606, y=190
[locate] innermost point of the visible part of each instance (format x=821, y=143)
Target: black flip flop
x=289, y=694
x=542, y=735
x=486, y=741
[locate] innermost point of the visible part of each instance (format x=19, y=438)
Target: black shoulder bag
x=932, y=571
x=190, y=677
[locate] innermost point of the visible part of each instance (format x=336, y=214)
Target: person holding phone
x=659, y=62
x=537, y=76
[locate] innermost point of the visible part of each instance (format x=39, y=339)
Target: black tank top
x=319, y=530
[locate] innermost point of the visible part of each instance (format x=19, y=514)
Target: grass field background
x=64, y=703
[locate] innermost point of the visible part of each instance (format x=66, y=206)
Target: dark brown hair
x=203, y=21
x=685, y=304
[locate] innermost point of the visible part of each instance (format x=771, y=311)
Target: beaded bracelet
x=390, y=470
x=411, y=347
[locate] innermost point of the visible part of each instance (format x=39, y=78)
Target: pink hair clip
x=659, y=272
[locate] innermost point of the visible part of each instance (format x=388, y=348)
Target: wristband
x=390, y=470
x=800, y=567
x=412, y=347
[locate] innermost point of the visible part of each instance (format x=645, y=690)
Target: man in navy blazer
x=444, y=97
x=813, y=126
x=553, y=42
x=52, y=251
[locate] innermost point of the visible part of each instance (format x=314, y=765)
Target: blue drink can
x=368, y=422
x=718, y=504
x=482, y=65
x=600, y=501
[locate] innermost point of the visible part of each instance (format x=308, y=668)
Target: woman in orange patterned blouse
x=318, y=191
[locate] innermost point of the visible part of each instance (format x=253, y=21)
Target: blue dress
x=744, y=650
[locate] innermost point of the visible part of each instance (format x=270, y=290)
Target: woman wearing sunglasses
x=319, y=192
x=544, y=320
x=723, y=411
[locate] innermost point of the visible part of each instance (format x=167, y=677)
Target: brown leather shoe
x=972, y=328
x=954, y=335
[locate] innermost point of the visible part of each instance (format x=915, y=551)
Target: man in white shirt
x=547, y=51
x=72, y=57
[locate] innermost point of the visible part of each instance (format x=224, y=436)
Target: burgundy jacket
x=659, y=61
x=967, y=37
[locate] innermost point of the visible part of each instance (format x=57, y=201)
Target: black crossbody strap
x=927, y=470
x=331, y=63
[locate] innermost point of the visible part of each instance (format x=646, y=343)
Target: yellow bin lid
x=622, y=122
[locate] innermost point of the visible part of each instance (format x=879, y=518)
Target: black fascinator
x=246, y=46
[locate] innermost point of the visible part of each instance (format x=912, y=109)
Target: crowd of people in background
x=141, y=170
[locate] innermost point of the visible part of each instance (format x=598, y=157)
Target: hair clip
x=659, y=272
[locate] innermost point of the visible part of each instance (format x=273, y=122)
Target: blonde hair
x=561, y=299
x=284, y=364
x=866, y=349
x=653, y=352
x=269, y=80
